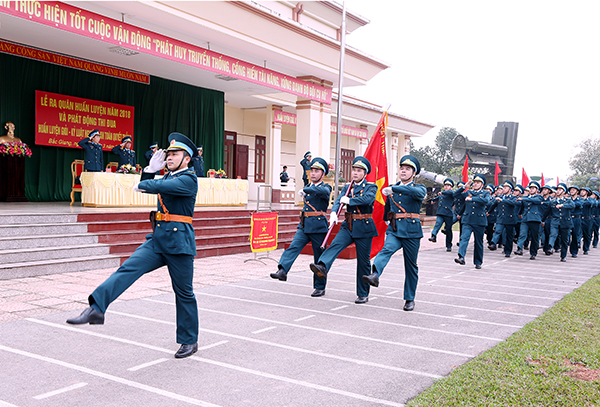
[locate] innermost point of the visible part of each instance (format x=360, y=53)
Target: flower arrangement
x=221, y=174
x=127, y=169
x=15, y=150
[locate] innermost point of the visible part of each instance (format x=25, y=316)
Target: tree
x=438, y=158
x=587, y=161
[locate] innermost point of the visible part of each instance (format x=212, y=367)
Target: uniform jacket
x=506, y=210
x=126, y=156
x=595, y=207
x=446, y=201
x=586, y=207
x=410, y=197
x=305, y=167
x=148, y=156
x=362, y=198
x=576, y=211
x=93, y=155
x=491, y=212
x=532, y=208
x=316, y=196
x=178, y=193
x=562, y=216
x=459, y=201
x=474, y=213
x=198, y=163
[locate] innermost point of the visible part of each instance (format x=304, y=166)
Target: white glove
x=387, y=191
x=387, y=222
x=333, y=218
x=157, y=162
x=345, y=200
x=301, y=193
x=136, y=189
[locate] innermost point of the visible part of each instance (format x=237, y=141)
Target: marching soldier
x=474, y=221
x=506, y=218
x=94, y=162
x=313, y=221
x=305, y=164
x=595, y=218
x=490, y=213
x=561, y=220
x=404, y=231
x=546, y=210
x=587, y=204
x=358, y=228
x=576, y=218
x=459, y=206
x=125, y=153
x=150, y=152
x=444, y=213
x=531, y=220
x=172, y=243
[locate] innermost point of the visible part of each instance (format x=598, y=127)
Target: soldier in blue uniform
x=595, y=218
x=531, y=219
x=357, y=228
x=404, y=231
x=305, y=165
x=561, y=220
x=150, y=152
x=125, y=153
x=172, y=243
x=459, y=206
x=94, y=162
x=444, y=213
x=313, y=221
x=490, y=213
x=587, y=222
x=576, y=218
x=198, y=163
x=545, y=226
x=474, y=221
x=506, y=219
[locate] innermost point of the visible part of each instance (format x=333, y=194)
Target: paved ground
x=265, y=342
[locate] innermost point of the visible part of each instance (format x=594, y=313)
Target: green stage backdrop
x=162, y=107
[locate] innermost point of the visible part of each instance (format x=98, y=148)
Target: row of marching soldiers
x=554, y=219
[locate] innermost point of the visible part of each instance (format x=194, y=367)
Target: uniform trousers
x=595, y=230
x=586, y=231
x=561, y=236
x=532, y=228
x=410, y=253
x=300, y=240
x=546, y=235
x=506, y=233
x=477, y=232
x=342, y=240
x=447, y=221
x=489, y=232
x=575, y=235
x=145, y=260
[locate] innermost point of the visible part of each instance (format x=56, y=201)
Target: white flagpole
x=338, y=141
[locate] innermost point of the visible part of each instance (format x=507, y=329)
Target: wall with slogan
x=161, y=107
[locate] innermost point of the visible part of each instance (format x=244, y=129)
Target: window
x=260, y=158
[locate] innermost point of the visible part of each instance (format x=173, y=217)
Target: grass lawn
x=552, y=361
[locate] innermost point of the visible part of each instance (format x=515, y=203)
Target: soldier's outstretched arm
x=184, y=185
x=368, y=196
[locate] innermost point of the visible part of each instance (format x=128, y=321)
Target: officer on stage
x=576, y=218
x=172, y=243
x=198, y=163
x=357, y=228
x=561, y=220
x=94, y=162
x=125, y=153
x=305, y=165
x=402, y=208
x=150, y=152
x=587, y=204
x=531, y=219
x=313, y=221
x=506, y=218
x=474, y=221
x=444, y=213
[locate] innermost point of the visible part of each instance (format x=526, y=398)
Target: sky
x=471, y=64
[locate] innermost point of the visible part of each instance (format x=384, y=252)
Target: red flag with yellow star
x=377, y=156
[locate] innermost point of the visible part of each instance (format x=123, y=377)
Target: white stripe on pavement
x=60, y=391
x=144, y=365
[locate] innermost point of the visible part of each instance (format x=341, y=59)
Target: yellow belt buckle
x=159, y=216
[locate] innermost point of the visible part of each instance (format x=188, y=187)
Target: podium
x=12, y=184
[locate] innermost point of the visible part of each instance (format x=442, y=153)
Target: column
x=273, y=152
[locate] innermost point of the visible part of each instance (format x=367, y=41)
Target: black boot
x=88, y=316
x=280, y=275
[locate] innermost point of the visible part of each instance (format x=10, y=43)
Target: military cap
x=412, y=161
x=449, y=181
x=178, y=141
x=94, y=133
x=574, y=186
x=126, y=139
x=498, y=187
x=320, y=164
x=490, y=187
x=155, y=145
x=549, y=187
x=508, y=183
x=200, y=148
x=480, y=178
x=563, y=186
x=362, y=162
x=597, y=193
x=461, y=184
x=307, y=154
x=534, y=184
x=588, y=189
x=519, y=188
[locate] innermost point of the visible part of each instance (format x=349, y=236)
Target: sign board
x=263, y=232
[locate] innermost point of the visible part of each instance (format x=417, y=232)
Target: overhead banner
x=292, y=120
x=62, y=121
x=82, y=22
x=263, y=231
x=75, y=63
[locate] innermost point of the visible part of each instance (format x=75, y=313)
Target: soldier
x=125, y=153
x=517, y=193
x=531, y=220
x=305, y=165
x=506, y=218
x=587, y=204
x=576, y=218
x=474, y=221
x=404, y=231
x=150, y=152
x=198, y=163
x=444, y=213
x=459, y=206
x=561, y=220
x=357, y=228
x=172, y=243
x=595, y=218
x=94, y=162
x=490, y=213
x=313, y=221
x=546, y=219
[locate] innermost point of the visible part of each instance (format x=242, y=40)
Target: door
x=241, y=161
x=229, y=157
x=260, y=156
x=347, y=156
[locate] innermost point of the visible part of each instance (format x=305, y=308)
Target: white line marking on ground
x=393, y=292
x=339, y=308
x=212, y=345
x=5, y=404
x=197, y=358
x=287, y=347
x=60, y=391
x=106, y=376
x=143, y=365
x=264, y=330
x=304, y=318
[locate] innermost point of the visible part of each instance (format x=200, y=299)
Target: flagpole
x=338, y=139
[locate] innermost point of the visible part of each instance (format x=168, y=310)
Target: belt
x=363, y=216
x=585, y=217
x=309, y=214
x=407, y=215
x=167, y=217
x=575, y=216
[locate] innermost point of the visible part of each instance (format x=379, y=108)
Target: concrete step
x=45, y=267
x=25, y=242
x=42, y=229
x=37, y=219
x=52, y=253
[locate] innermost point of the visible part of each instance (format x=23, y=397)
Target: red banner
x=81, y=64
x=62, y=121
x=263, y=232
